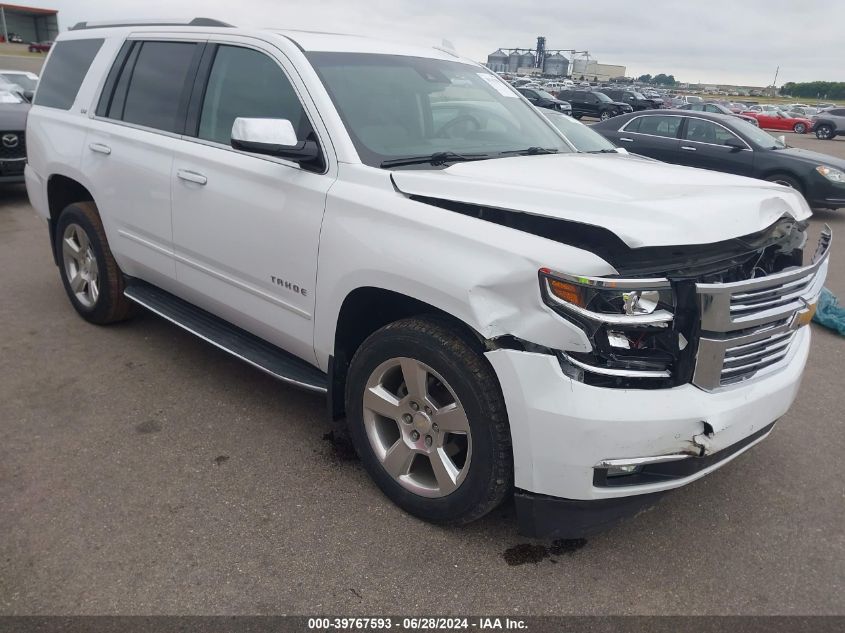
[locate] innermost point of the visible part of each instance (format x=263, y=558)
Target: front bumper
x=563, y=430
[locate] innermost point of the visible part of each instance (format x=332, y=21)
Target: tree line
x=815, y=89
x=660, y=80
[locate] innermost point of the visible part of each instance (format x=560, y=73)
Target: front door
x=704, y=144
x=246, y=227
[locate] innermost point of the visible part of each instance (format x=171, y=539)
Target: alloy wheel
x=417, y=427
x=80, y=265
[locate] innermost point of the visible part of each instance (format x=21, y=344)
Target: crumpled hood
x=645, y=203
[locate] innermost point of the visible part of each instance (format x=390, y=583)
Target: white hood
x=644, y=202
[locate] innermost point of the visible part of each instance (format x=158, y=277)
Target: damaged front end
x=713, y=315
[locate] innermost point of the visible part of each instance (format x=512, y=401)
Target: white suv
x=492, y=312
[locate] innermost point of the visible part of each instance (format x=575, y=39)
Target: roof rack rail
x=79, y=26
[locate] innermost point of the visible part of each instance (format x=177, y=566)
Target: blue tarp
x=830, y=313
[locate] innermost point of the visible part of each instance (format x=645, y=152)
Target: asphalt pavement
x=143, y=471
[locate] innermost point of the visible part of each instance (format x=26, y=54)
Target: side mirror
x=735, y=144
x=273, y=137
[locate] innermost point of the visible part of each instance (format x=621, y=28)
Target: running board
x=229, y=338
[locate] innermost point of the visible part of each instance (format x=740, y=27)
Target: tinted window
x=660, y=126
x=69, y=63
x=706, y=132
x=159, y=78
x=246, y=83
x=836, y=112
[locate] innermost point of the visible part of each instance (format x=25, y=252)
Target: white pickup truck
x=493, y=312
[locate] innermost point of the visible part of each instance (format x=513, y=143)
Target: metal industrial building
x=31, y=23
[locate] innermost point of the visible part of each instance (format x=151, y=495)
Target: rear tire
x=824, y=132
x=800, y=128
x=91, y=277
x=427, y=417
x=605, y=115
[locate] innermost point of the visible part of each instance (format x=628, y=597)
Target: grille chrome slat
x=749, y=326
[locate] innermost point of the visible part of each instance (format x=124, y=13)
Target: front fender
x=483, y=274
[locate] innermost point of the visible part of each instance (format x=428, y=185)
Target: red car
x=781, y=121
x=39, y=47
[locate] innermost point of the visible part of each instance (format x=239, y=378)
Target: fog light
x=621, y=471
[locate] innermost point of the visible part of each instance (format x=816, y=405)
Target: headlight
x=831, y=173
x=629, y=322
x=627, y=301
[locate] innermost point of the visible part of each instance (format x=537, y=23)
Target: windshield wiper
x=531, y=151
x=603, y=151
x=437, y=158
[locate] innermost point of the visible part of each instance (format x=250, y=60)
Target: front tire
x=428, y=419
x=605, y=115
x=786, y=180
x=91, y=277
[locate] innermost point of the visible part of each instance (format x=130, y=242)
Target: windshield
x=583, y=138
x=603, y=97
x=692, y=99
x=544, y=94
x=756, y=136
x=10, y=97
x=22, y=80
x=395, y=106
x=638, y=95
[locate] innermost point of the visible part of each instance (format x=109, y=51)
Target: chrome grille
x=749, y=326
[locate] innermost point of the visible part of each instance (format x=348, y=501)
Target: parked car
x=716, y=108
x=13, y=111
x=829, y=124
x=27, y=81
x=637, y=100
x=725, y=143
x=582, y=137
x=40, y=47
x=593, y=104
x=543, y=99
x=780, y=120
x=14, y=38
x=492, y=313
x=763, y=108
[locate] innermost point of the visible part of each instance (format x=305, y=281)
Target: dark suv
x=594, y=104
x=636, y=100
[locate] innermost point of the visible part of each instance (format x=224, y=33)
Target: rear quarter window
x=64, y=73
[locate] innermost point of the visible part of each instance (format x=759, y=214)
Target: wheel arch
x=780, y=171
x=61, y=191
x=365, y=310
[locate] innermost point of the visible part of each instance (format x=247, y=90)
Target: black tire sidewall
x=102, y=308
x=825, y=137
x=787, y=178
x=457, y=506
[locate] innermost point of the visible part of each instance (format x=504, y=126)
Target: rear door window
x=68, y=65
x=154, y=85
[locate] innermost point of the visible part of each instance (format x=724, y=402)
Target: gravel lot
x=143, y=471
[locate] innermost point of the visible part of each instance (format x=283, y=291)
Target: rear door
x=653, y=135
x=246, y=227
x=128, y=153
x=703, y=144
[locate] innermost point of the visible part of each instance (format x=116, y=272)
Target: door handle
x=627, y=140
x=192, y=176
x=100, y=148
x=687, y=148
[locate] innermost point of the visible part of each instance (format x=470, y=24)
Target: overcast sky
x=711, y=41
